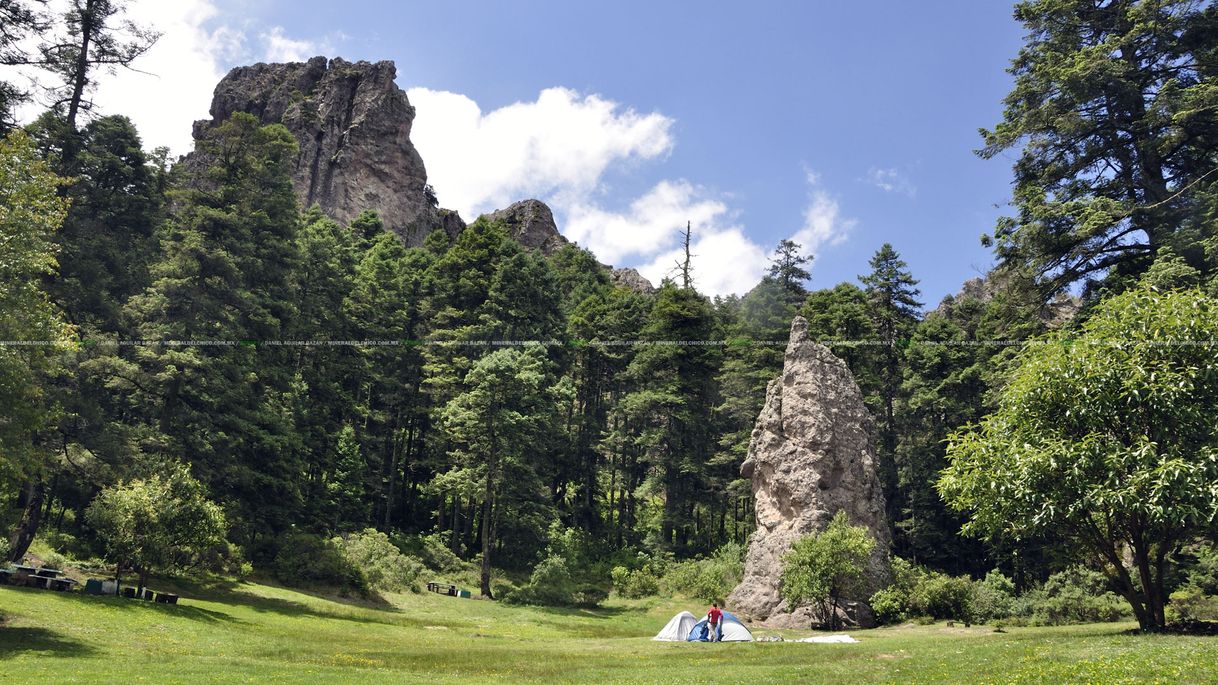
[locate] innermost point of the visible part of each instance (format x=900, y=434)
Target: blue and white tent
x=733, y=630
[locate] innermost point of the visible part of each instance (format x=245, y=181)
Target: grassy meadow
x=263, y=634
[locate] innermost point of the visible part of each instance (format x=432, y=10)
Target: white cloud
x=891, y=181
x=651, y=223
x=723, y=261
x=649, y=231
x=557, y=146
x=824, y=225
x=281, y=48
x=171, y=85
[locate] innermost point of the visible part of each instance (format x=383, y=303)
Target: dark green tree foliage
x=1114, y=108
x=324, y=373
x=789, y=268
x=586, y=302
x=894, y=310
x=225, y=274
x=838, y=317
x=31, y=210
x=1107, y=440
x=105, y=248
x=603, y=432
x=384, y=307
x=675, y=393
x=493, y=424
x=107, y=242
x=482, y=288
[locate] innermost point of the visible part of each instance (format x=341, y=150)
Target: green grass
x=262, y=634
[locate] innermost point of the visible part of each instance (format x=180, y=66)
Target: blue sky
x=846, y=125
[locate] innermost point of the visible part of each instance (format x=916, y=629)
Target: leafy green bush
x=635, y=583
x=225, y=558
x=890, y=605
x=307, y=559
x=1204, y=575
x=941, y=596
x=550, y=585
x=1189, y=604
x=52, y=559
x=709, y=579
x=917, y=593
x=1075, y=595
x=993, y=597
x=589, y=596
x=432, y=550
x=382, y=564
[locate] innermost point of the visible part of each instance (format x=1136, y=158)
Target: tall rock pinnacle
x=809, y=457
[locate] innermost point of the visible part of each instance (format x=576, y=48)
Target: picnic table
x=60, y=584
x=442, y=588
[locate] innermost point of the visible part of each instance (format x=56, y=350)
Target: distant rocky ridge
x=353, y=124
x=1054, y=313
x=810, y=456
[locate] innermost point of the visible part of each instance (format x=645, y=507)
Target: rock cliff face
x=353, y=126
x=632, y=279
x=531, y=223
x=809, y=457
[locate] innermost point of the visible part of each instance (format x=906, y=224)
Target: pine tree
x=788, y=267
x=224, y=280
x=1114, y=108
x=491, y=424
x=93, y=37
x=894, y=309
x=675, y=371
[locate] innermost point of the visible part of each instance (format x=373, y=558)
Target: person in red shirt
x=714, y=617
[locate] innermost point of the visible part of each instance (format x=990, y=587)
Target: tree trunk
x=27, y=528
x=484, y=580
x=80, y=78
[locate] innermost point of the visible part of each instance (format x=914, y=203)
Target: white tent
x=677, y=629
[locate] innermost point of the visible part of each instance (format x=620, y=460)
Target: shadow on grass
x=16, y=641
x=186, y=611
x=229, y=591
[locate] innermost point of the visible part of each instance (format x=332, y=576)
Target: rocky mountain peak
x=353, y=126
x=531, y=223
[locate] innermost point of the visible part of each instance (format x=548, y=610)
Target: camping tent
x=733, y=630
x=677, y=629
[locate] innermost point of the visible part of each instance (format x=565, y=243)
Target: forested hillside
x=321, y=378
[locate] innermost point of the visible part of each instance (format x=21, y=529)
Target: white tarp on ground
x=678, y=628
x=832, y=639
